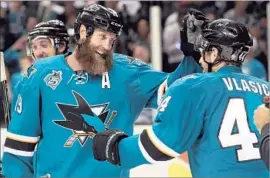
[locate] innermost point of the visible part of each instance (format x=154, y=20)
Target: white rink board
x=2, y=139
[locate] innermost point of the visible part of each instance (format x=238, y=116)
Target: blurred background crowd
x=17, y=18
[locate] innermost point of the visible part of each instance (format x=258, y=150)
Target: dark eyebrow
x=101, y=33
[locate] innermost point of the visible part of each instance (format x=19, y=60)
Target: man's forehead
x=105, y=32
x=41, y=39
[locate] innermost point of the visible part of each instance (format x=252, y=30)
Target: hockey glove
x=191, y=27
x=105, y=146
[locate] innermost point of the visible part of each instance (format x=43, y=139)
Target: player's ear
x=213, y=54
x=82, y=33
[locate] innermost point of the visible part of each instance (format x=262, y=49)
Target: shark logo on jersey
x=30, y=71
x=136, y=61
x=83, y=120
x=80, y=77
x=53, y=79
x=192, y=76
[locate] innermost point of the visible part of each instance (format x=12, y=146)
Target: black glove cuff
x=112, y=152
x=105, y=146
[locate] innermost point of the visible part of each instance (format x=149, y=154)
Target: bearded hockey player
x=209, y=115
x=64, y=100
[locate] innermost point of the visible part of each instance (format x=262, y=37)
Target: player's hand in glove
x=191, y=27
x=105, y=145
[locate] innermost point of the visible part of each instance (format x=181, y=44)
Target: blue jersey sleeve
x=11, y=54
x=151, y=79
x=177, y=126
x=15, y=78
x=187, y=66
x=24, y=130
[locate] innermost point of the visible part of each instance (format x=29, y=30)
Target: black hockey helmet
x=52, y=29
x=232, y=39
x=97, y=16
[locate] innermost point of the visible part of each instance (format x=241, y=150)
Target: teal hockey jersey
x=210, y=116
x=52, y=110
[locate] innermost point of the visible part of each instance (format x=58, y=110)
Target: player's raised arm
x=192, y=24
x=173, y=132
x=24, y=130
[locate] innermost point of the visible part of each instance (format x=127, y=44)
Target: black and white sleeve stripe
x=154, y=149
x=20, y=145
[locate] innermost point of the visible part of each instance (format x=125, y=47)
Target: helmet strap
x=211, y=65
x=55, y=45
x=209, y=68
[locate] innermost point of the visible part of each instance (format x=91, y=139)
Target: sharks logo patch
x=53, y=79
x=83, y=120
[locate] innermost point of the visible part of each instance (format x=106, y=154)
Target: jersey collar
x=228, y=69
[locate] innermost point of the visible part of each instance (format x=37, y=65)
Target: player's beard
x=91, y=61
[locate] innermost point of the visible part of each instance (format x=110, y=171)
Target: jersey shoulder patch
x=190, y=79
x=30, y=71
x=129, y=60
x=190, y=76
x=195, y=81
x=37, y=71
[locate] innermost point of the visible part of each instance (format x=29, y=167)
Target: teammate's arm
x=24, y=130
x=192, y=24
x=151, y=81
x=177, y=126
x=262, y=122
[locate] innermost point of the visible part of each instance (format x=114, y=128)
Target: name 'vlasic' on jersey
x=245, y=85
